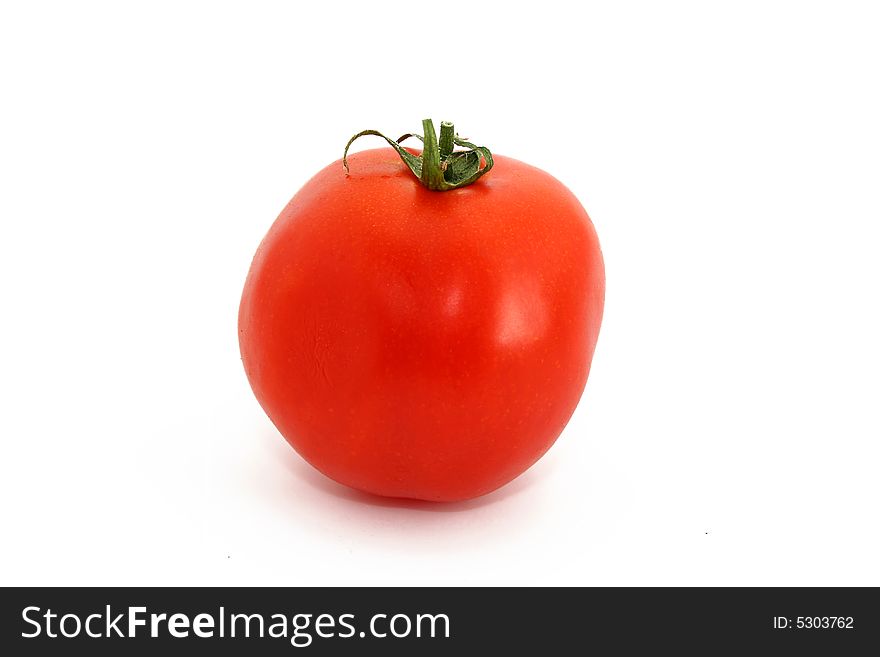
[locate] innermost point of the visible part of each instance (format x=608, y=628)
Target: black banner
x=444, y=621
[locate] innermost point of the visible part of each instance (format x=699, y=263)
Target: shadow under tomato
x=307, y=501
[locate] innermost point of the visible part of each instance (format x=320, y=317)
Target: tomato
x=423, y=344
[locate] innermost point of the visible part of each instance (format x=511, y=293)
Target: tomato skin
x=422, y=344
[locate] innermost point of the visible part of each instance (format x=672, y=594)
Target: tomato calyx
x=439, y=167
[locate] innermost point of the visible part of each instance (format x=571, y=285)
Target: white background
x=728, y=154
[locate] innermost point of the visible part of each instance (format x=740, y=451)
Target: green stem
x=432, y=166
x=439, y=167
x=447, y=135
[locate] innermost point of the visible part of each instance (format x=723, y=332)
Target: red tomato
x=423, y=344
